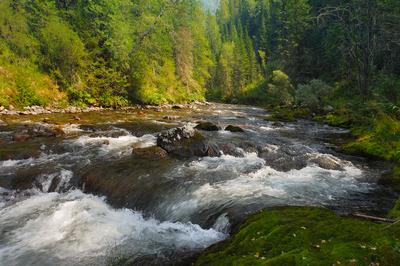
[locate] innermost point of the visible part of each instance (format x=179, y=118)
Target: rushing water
x=108, y=204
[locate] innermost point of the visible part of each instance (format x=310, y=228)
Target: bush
x=315, y=95
x=280, y=90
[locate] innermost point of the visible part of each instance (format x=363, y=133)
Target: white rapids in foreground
x=77, y=228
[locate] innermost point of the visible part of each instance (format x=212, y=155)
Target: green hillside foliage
x=103, y=52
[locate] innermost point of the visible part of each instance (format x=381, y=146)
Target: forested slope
x=102, y=52
x=256, y=51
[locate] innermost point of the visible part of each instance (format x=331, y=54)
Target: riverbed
x=82, y=198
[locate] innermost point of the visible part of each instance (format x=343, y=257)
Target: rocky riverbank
x=38, y=110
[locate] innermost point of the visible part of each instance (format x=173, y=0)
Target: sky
x=211, y=4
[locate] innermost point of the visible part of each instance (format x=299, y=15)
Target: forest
x=266, y=52
x=323, y=55
x=329, y=62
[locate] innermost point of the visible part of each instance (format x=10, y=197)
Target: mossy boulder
x=306, y=236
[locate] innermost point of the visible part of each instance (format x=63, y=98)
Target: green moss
x=395, y=212
x=288, y=114
x=306, y=236
x=380, y=140
x=338, y=120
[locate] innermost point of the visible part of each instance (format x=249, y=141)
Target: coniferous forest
x=332, y=62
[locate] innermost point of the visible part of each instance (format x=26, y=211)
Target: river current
x=82, y=198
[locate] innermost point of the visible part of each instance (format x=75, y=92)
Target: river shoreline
x=39, y=110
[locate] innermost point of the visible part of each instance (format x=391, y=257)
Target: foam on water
x=118, y=146
x=76, y=228
x=248, y=179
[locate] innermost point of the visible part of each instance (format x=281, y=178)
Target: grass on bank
x=306, y=236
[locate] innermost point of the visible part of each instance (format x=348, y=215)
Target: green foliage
x=280, y=91
x=306, y=236
x=314, y=95
x=63, y=50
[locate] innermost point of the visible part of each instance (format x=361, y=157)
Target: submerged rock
x=234, y=129
x=21, y=137
x=187, y=142
x=207, y=126
x=41, y=130
x=153, y=152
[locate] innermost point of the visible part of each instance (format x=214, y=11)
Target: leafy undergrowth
x=307, y=236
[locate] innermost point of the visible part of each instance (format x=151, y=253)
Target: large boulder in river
x=187, y=142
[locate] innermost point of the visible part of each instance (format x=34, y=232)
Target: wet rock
x=2, y=123
x=207, y=126
x=249, y=147
x=277, y=124
x=41, y=130
x=234, y=101
x=55, y=183
x=186, y=142
x=21, y=137
x=283, y=162
x=76, y=118
x=230, y=149
x=327, y=161
x=234, y=129
x=154, y=152
x=177, y=107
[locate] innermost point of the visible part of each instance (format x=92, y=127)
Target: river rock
x=230, y=149
x=41, y=130
x=187, y=142
x=154, y=152
x=2, y=123
x=327, y=161
x=21, y=137
x=206, y=126
x=234, y=129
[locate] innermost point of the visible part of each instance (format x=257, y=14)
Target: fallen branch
x=374, y=218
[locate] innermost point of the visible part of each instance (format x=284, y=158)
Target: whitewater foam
x=76, y=228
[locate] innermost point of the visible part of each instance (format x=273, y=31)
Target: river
x=82, y=198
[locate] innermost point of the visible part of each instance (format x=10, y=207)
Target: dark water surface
x=84, y=199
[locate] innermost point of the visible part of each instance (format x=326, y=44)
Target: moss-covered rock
x=306, y=236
